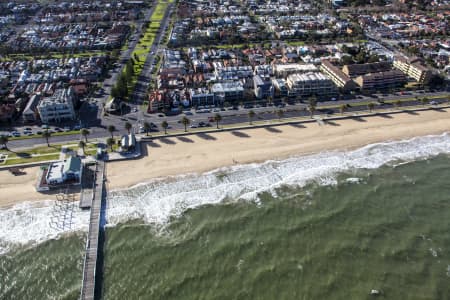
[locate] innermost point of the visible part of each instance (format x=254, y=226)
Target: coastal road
x=228, y=116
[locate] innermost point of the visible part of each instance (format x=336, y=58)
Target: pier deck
x=90, y=259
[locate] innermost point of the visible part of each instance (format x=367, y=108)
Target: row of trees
x=312, y=104
x=124, y=81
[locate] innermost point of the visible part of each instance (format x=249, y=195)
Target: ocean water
x=333, y=225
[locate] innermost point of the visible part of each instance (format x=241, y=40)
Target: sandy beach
x=203, y=152
x=200, y=153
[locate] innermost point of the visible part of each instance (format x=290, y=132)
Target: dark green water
x=390, y=232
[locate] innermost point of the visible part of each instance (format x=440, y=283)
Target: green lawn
x=145, y=43
x=30, y=160
x=25, y=137
x=42, y=153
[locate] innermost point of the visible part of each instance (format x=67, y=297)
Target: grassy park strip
x=146, y=41
x=41, y=153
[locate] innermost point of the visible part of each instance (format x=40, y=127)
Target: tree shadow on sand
x=167, y=141
x=206, y=136
x=273, y=129
x=298, y=125
x=185, y=139
x=411, y=112
x=153, y=144
x=359, y=119
x=332, y=123
x=240, y=134
x=386, y=116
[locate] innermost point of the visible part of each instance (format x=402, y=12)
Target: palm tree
x=312, y=105
x=46, y=135
x=4, y=141
x=82, y=145
x=84, y=132
x=128, y=127
x=251, y=115
x=165, y=125
x=185, y=121
x=424, y=100
x=398, y=103
x=280, y=114
x=217, y=118
x=370, y=106
x=147, y=127
x=110, y=142
x=342, y=108
x=111, y=129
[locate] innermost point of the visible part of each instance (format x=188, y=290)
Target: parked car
x=194, y=126
x=45, y=126
x=188, y=113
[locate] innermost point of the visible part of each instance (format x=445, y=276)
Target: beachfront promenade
x=92, y=242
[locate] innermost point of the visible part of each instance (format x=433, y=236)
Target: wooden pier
x=92, y=243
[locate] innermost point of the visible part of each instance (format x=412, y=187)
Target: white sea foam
x=30, y=223
x=159, y=200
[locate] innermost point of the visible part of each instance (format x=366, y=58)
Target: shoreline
x=197, y=153
x=204, y=152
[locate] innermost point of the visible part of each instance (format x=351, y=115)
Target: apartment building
x=339, y=78
x=280, y=88
x=381, y=80
x=288, y=69
x=313, y=83
x=263, y=87
x=201, y=96
x=228, y=91
x=413, y=68
x=58, y=107
x=361, y=69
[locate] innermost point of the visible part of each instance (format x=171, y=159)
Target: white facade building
x=58, y=107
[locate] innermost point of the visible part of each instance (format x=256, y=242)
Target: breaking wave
x=158, y=201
